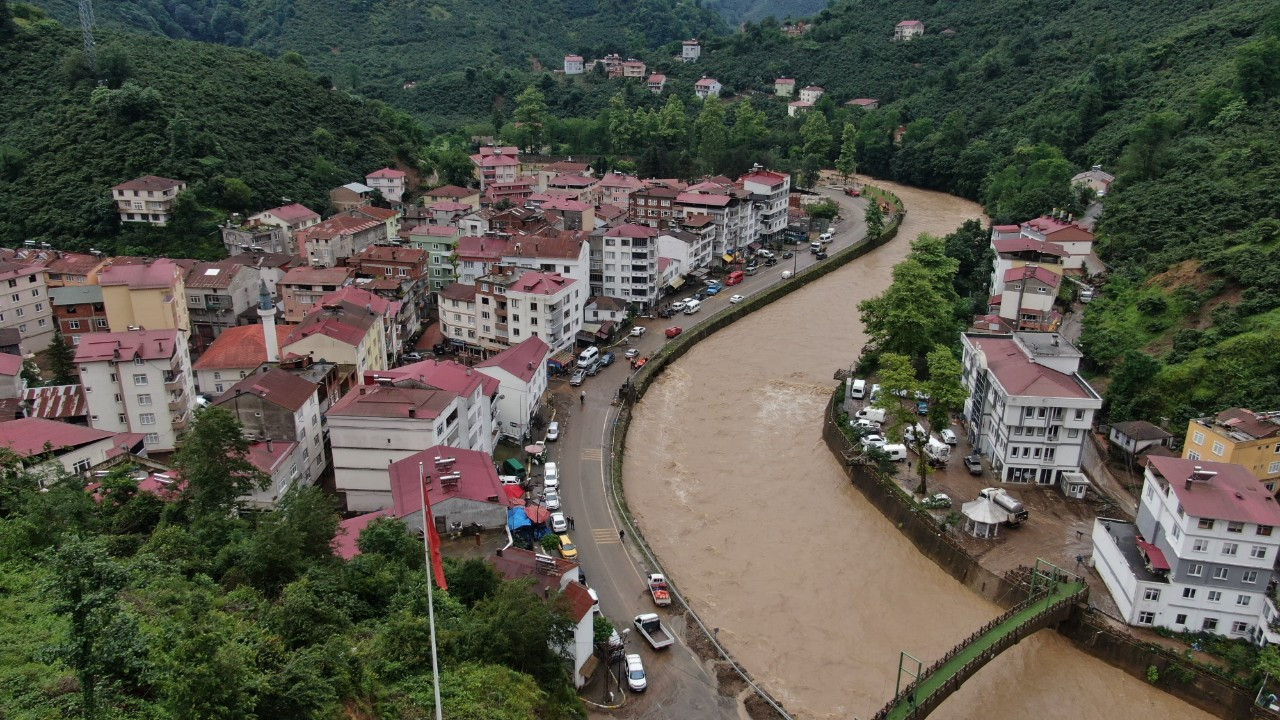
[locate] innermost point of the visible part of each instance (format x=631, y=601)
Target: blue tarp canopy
x=516, y=518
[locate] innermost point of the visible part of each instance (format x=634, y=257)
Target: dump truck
x=650, y=626
x=659, y=590
x=1017, y=512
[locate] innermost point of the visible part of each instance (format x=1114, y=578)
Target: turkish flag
x=433, y=537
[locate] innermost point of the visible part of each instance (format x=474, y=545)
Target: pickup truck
x=973, y=464
x=650, y=626
x=659, y=590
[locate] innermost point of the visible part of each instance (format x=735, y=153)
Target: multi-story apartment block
x=686, y=251
x=147, y=199
x=441, y=244
x=374, y=425
x=458, y=316
x=302, y=287
x=61, y=269
x=220, y=295
x=278, y=408
x=149, y=294
x=522, y=385
x=690, y=51
x=389, y=182
x=628, y=264
x=495, y=165
x=1200, y=557
x=564, y=252
x=1239, y=436
x=733, y=216
x=342, y=332
x=770, y=192
x=477, y=254
x=349, y=196
x=477, y=396
x=79, y=310
x=335, y=240
x=452, y=193
x=254, y=238
x=542, y=305
x=1024, y=300
x=1029, y=410
x=654, y=205
x=25, y=305
x=616, y=188
x=633, y=69
x=138, y=381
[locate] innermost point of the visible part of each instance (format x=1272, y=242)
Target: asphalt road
x=679, y=686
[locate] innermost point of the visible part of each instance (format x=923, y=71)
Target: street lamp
x=431, y=610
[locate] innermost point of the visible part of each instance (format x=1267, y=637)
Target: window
x=217, y=387
x=82, y=466
x=1198, y=438
x=102, y=322
x=1273, y=468
x=1235, y=527
x=1181, y=512
x=1243, y=600
x=1239, y=627
x=140, y=379
x=1193, y=455
x=1215, y=595
x=144, y=399
x=73, y=324
x=1250, y=576
x=1196, y=570
x=1151, y=594
x=152, y=439
x=1028, y=412
x=1200, y=546
x=1209, y=624
x=1189, y=593
x=1146, y=617
x=124, y=419
x=1181, y=619
x=1230, y=548
x=1264, y=530
x=1177, y=532
x=1258, y=552
x=1219, y=448
x=1073, y=433
x=218, y=376
x=147, y=418
x=1220, y=573
x=20, y=312
x=1080, y=414
x=138, y=361
x=1205, y=524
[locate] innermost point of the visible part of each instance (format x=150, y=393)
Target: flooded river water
x=811, y=587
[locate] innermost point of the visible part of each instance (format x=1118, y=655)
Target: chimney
x=271, y=446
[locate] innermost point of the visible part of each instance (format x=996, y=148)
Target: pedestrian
x=622, y=535
x=582, y=399
x=571, y=525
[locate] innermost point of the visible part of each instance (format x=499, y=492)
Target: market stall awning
x=755, y=246
x=675, y=283
x=564, y=358
x=1154, y=555
x=537, y=513
x=727, y=258
x=515, y=492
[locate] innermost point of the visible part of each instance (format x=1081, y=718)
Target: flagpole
x=431, y=610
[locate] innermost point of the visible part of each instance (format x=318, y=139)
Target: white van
x=588, y=357
x=692, y=307
x=910, y=432
x=896, y=453
x=871, y=413
x=857, y=388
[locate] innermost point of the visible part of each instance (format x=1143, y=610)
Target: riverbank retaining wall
x=1195, y=685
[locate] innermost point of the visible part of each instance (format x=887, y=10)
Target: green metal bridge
x=1052, y=594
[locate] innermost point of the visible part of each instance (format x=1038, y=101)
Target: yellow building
x=148, y=294
x=340, y=332
x=1238, y=436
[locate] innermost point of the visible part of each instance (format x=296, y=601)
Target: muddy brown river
x=811, y=587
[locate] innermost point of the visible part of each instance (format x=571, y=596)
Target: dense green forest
x=245, y=131
x=459, y=54
x=755, y=10
x=129, y=606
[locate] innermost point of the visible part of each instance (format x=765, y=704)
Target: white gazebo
x=982, y=518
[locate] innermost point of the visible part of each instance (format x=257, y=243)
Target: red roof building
x=1216, y=491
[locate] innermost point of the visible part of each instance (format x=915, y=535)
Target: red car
x=853, y=192
x=674, y=331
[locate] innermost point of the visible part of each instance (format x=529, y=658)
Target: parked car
x=633, y=352
x=552, y=500
x=635, y=673
x=771, y=261
x=788, y=255
x=765, y=254
x=820, y=255
x=412, y=357
x=973, y=463
x=948, y=437
x=637, y=331
x=594, y=368
x=567, y=549
x=578, y=377
x=606, y=359
x=553, y=431
x=736, y=299
x=678, y=305
x=875, y=392
x=713, y=288
x=870, y=441
x=559, y=523
x=937, y=502
x=674, y=330
x=922, y=408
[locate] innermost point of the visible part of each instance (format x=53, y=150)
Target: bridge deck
x=934, y=681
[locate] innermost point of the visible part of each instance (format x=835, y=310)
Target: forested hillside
x=376, y=48
x=755, y=10
x=242, y=129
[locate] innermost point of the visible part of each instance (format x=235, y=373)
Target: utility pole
x=86, y=31
x=431, y=609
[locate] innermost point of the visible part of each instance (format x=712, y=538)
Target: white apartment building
x=690, y=51
x=458, y=315
x=389, y=182
x=1201, y=555
x=565, y=252
x=512, y=306
x=629, y=264
x=521, y=372
x=147, y=199
x=138, y=381
x=477, y=396
x=685, y=250
x=573, y=65
x=25, y=305
x=1029, y=411
x=707, y=87
x=811, y=94
x=374, y=426
x=770, y=192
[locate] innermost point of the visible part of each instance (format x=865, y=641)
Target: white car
x=875, y=391
x=550, y=476
x=632, y=353
x=552, y=500
x=680, y=304
x=637, y=331
x=736, y=299
x=948, y=437
x=870, y=441
x=553, y=431
x=558, y=523
x=635, y=674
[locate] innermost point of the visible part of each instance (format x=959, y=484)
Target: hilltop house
x=147, y=199
x=908, y=29
x=707, y=87
x=656, y=83
x=573, y=65
x=1138, y=436
x=349, y=196
x=389, y=182
x=811, y=94
x=1095, y=179
x=690, y=51
x=784, y=87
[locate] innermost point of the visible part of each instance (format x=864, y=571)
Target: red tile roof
x=344, y=322
x=563, y=245
x=345, y=542
x=434, y=230
x=580, y=601
x=28, y=436
x=1020, y=376
x=160, y=273
x=392, y=402
x=146, y=344
x=703, y=199
x=517, y=564
x=449, y=206
x=276, y=386
x=784, y=81
x=765, y=177
x=317, y=276
x=621, y=180
x=149, y=182
x=373, y=212
x=478, y=481
x=1248, y=422
x=56, y=402
x=1008, y=228
x=240, y=347
x=10, y=365
x=335, y=226
x=1022, y=244
x=909, y=23
x=705, y=82
x=388, y=253
x=215, y=275
x=458, y=291
x=472, y=247
x=439, y=374
x=357, y=297
x=452, y=191
x=657, y=78
x=573, y=58
x=571, y=181
x=1233, y=494
x=565, y=205
x=1045, y=276
x=293, y=213
x=386, y=173
x=521, y=360
x=268, y=456
x=632, y=230
x=1048, y=226
x=487, y=161
x=74, y=264
x=863, y=102
x=539, y=283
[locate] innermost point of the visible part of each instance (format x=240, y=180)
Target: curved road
x=679, y=684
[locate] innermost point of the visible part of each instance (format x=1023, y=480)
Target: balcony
x=174, y=383
x=177, y=404
x=180, y=422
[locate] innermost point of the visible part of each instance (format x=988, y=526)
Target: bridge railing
x=916, y=707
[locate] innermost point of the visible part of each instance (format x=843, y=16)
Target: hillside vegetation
x=245, y=131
